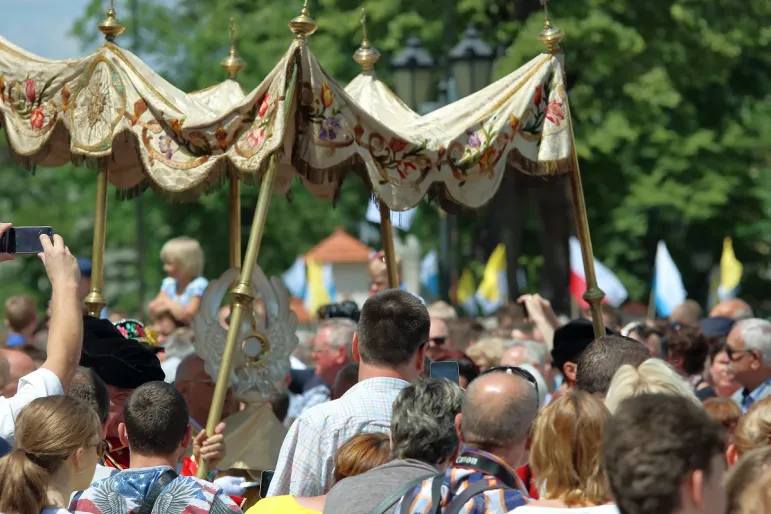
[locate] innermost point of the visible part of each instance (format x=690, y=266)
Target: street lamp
x=472, y=63
x=412, y=71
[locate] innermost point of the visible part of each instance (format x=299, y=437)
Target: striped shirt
x=306, y=462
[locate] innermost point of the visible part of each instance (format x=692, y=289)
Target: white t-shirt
x=38, y=384
x=535, y=509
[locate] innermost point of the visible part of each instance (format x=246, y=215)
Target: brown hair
x=569, y=431
x=20, y=312
x=754, y=428
x=48, y=431
x=725, y=410
x=361, y=453
x=691, y=345
x=741, y=476
x=757, y=497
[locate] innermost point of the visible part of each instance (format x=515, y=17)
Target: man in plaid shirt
x=390, y=347
x=497, y=413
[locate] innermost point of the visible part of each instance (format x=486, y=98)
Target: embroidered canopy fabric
x=112, y=105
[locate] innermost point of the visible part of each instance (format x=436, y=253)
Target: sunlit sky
x=42, y=26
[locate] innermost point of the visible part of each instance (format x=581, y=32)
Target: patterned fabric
x=124, y=493
x=310, y=398
x=193, y=289
x=459, y=478
x=746, y=398
x=306, y=462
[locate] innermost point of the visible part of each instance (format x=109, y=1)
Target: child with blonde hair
x=182, y=289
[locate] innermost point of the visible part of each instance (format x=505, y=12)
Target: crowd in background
x=671, y=416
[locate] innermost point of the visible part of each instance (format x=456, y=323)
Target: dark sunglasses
x=731, y=353
x=438, y=340
x=515, y=370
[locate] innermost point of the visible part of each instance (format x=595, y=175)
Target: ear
x=188, y=437
x=77, y=459
x=569, y=370
x=458, y=424
x=422, y=358
x=731, y=455
x=390, y=441
x=123, y=435
x=355, y=348
x=755, y=364
x=693, y=486
x=341, y=355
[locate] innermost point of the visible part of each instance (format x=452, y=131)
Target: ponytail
x=23, y=486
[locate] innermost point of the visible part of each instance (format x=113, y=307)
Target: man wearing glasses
x=439, y=341
x=749, y=349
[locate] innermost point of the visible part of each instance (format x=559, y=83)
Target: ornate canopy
x=111, y=105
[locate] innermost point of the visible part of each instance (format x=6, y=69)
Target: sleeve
x=197, y=287
x=169, y=286
x=299, y=468
x=38, y=384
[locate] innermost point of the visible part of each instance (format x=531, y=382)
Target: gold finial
x=550, y=36
x=233, y=63
x=303, y=25
x=110, y=26
x=366, y=55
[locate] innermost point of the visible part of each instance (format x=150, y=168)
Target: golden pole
x=387, y=235
x=551, y=37
x=95, y=302
x=234, y=219
x=241, y=295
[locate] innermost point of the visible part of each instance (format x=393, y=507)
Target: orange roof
x=339, y=247
x=298, y=306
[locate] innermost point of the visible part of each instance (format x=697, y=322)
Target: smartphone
x=265, y=479
x=445, y=369
x=24, y=240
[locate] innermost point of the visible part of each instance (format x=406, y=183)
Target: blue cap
x=716, y=327
x=84, y=263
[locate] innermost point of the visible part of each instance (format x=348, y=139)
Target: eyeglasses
x=732, y=352
x=438, y=340
x=516, y=370
x=102, y=447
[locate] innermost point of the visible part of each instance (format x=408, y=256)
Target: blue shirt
x=193, y=289
x=15, y=340
x=746, y=398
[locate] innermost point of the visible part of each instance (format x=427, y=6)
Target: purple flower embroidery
x=165, y=146
x=474, y=141
x=329, y=128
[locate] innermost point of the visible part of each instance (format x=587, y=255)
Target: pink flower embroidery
x=36, y=118
x=255, y=138
x=29, y=89
x=554, y=112
x=404, y=168
x=123, y=331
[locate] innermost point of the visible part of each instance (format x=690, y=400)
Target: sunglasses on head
x=515, y=370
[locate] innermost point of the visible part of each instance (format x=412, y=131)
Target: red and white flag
x=615, y=292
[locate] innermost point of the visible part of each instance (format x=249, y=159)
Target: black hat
x=570, y=341
x=120, y=362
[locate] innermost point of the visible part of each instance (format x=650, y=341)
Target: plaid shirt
x=306, y=462
x=458, y=478
x=746, y=398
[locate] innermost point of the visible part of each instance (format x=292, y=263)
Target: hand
x=538, y=308
x=5, y=256
x=61, y=265
x=210, y=449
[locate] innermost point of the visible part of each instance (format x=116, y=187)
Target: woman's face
x=721, y=375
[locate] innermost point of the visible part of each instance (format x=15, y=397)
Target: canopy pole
x=234, y=219
x=551, y=37
x=95, y=301
x=387, y=235
x=242, y=300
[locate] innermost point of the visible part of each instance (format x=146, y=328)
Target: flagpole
x=387, y=235
x=551, y=37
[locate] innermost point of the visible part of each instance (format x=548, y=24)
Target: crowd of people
x=105, y=417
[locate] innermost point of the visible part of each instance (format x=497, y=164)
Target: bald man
x=735, y=309
x=494, y=424
x=20, y=365
x=687, y=313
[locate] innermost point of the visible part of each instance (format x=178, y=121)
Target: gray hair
x=756, y=334
x=543, y=389
x=535, y=351
x=423, y=421
x=341, y=332
x=490, y=426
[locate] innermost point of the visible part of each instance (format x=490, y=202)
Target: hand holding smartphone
x=445, y=369
x=23, y=240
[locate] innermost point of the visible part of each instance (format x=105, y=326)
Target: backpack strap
x=469, y=493
x=149, y=502
x=391, y=500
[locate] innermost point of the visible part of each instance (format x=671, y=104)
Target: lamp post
x=413, y=69
x=470, y=69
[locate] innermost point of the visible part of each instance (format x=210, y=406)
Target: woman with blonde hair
x=487, y=352
x=181, y=290
x=651, y=377
x=752, y=432
x=565, y=457
x=356, y=456
x=57, y=446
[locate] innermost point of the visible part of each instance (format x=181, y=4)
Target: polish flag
x=615, y=292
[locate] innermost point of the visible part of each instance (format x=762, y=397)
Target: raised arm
x=65, y=333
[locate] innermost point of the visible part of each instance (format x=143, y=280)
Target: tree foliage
x=670, y=100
